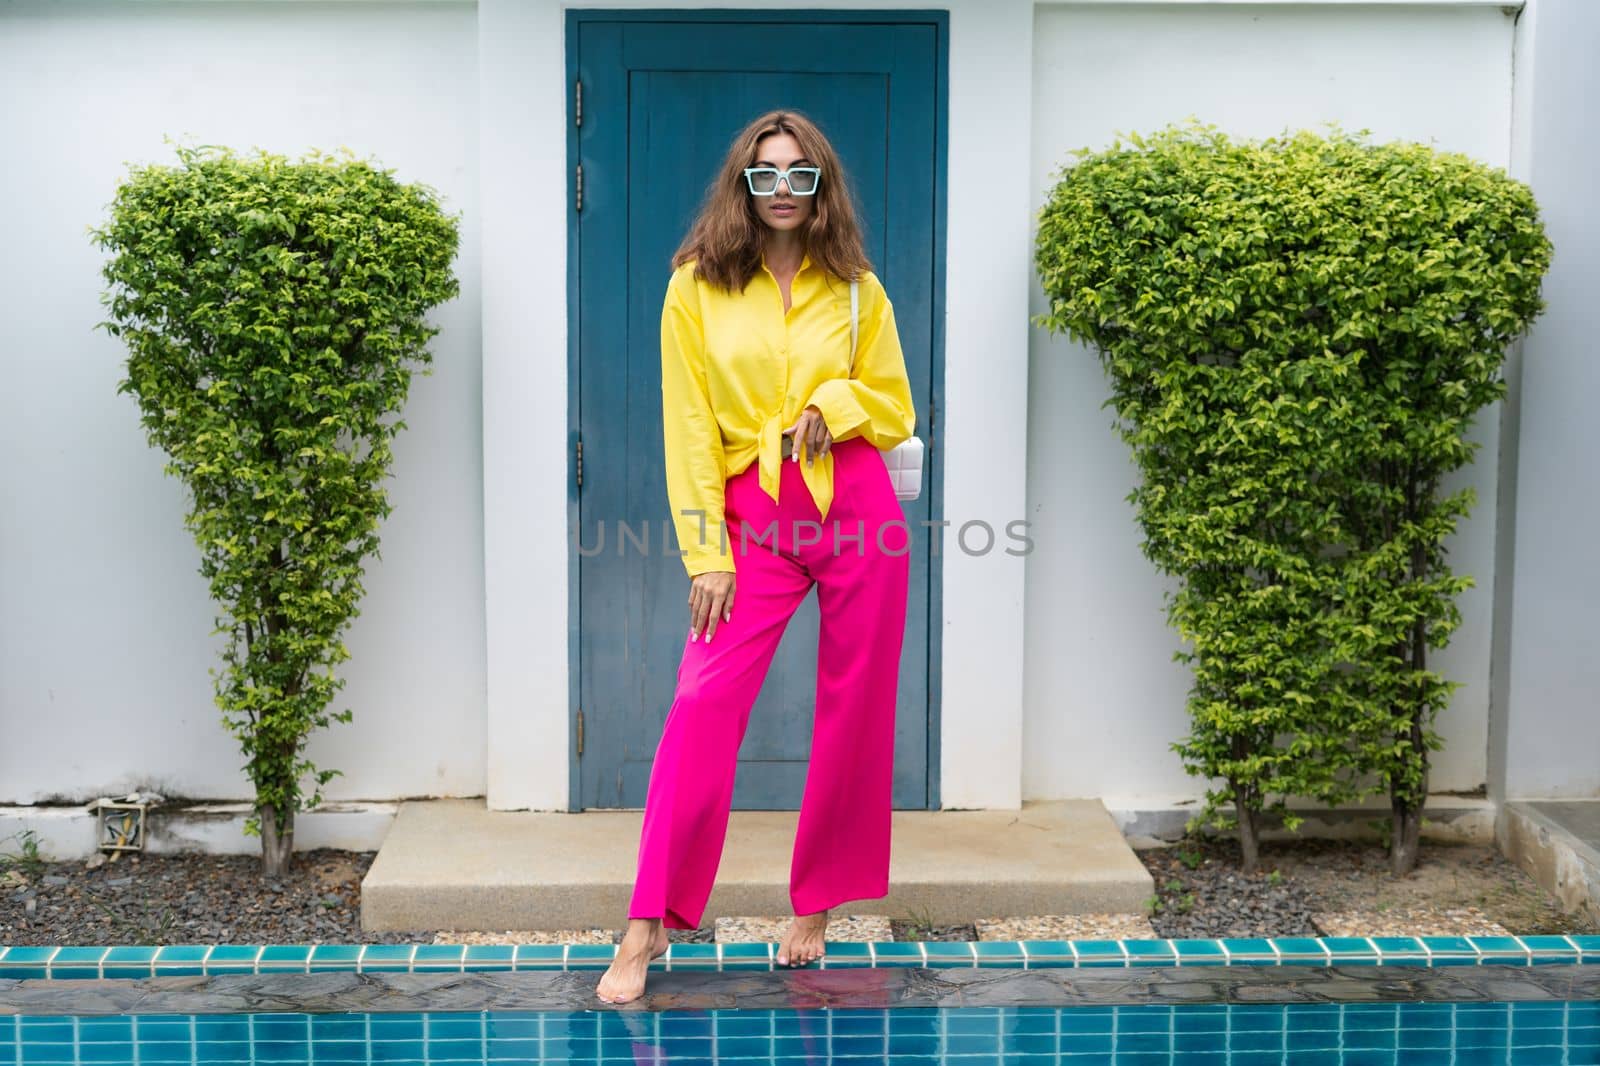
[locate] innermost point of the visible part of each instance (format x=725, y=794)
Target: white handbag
x=904, y=460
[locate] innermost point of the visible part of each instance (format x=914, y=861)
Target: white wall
x=1103, y=698
x=459, y=677
x=1547, y=721
x=104, y=619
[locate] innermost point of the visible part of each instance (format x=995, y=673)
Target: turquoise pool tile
x=1448, y=945
x=543, y=956
x=1343, y=947
x=1100, y=953
x=386, y=958
x=77, y=962
x=181, y=955
x=948, y=953
x=748, y=956
x=1250, y=950
x=125, y=962
x=278, y=958
x=25, y=963
x=1550, y=948
x=435, y=958
x=1006, y=953
x=595, y=956
x=1500, y=950
x=234, y=955
x=1048, y=950
x=893, y=953
x=765, y=952
x=845, y=955
x=335, y=958
x=488, y=957
x=1398, y=946
x=1300, y=949
x=1589, y=946
x=1150, y=953
x=1199, y=952
x=698, y=956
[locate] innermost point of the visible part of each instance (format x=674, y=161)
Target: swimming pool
x=1366, y=1002
x=1424, y=1034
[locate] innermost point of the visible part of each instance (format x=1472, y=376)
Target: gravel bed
x=1200, y=892
x=1456, y=888
x=1067, y=927
x=191, y=899
x=910, y=929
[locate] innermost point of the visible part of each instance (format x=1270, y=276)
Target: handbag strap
x=855, y=303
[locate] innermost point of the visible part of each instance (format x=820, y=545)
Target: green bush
x=1297, y=332
x=273, y=314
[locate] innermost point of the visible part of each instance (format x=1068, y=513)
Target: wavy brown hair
x=725, y=240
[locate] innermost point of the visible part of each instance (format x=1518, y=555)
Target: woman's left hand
x=811, y=431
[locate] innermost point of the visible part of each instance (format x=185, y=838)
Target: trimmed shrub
x=1297, y=332
x=273, y=315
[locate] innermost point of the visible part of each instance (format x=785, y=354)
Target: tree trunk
x=1249, y=842
x=1405, y=836
x=1405, y=803
x=277, y=849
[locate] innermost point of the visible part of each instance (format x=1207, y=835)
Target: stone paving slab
x=1067, y=927
x=803, y=989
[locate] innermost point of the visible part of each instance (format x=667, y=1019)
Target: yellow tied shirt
x=736, y=370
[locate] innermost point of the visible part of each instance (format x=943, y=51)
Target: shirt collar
x=805, y=263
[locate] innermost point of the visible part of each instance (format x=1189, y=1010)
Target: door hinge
x=580, y=187
x=580, y=730
x=933, y=414
x=577, y=102
x=580, y=464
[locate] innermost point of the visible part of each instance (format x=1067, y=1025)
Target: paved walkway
x=453, y=864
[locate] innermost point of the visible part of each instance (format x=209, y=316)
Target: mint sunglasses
x=763, y=181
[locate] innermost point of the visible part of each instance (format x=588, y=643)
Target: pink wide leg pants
x=860, y=561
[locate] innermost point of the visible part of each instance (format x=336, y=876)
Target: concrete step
x=454, y=864
x=1558, y=843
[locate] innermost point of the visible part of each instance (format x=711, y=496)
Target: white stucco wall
x=459, y=678
x=1546, y=736
x=1103, y=698
x=105, y=621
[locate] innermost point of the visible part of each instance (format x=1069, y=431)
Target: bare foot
x=803, y=941
x=624, y=979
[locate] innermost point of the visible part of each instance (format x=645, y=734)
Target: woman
x=776, y=483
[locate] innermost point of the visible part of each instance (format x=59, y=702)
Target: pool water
x=1392, y=1034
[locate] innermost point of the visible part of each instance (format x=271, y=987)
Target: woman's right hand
x=710, y=600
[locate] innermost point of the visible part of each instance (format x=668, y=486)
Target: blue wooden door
x=661, y=98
